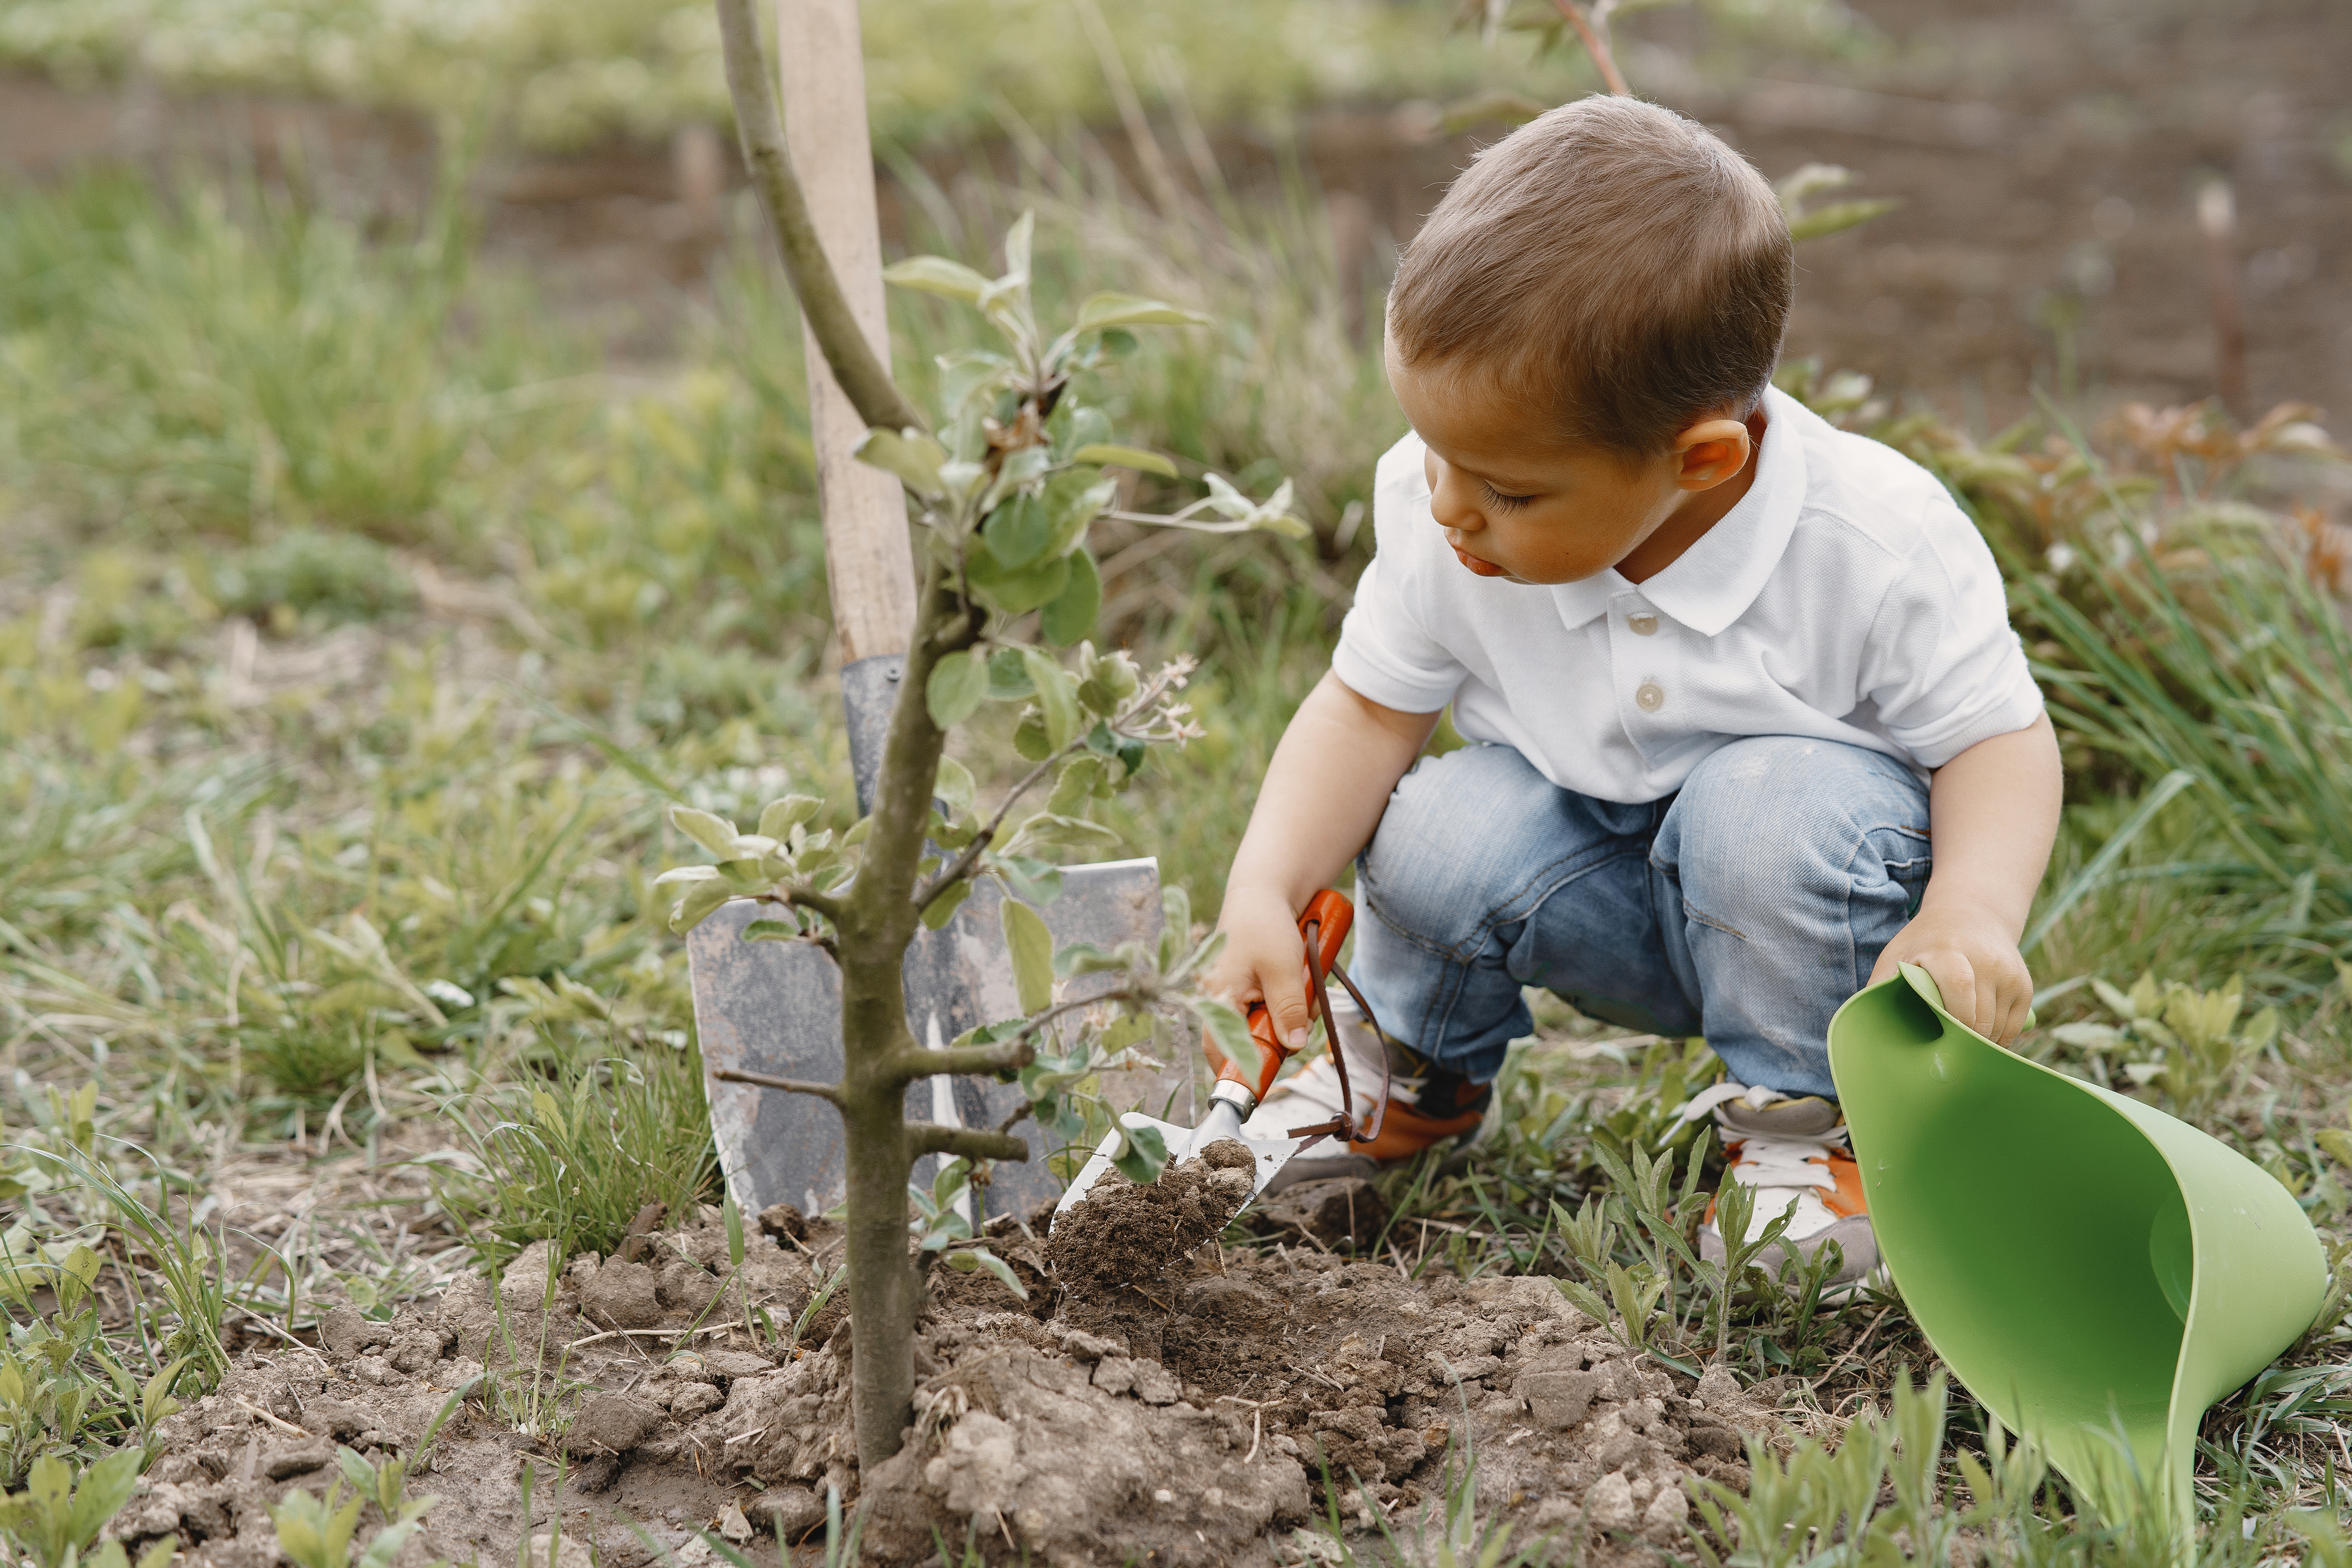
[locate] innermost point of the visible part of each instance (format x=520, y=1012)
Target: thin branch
x=1004, y=1056
x=972, y=1142
x=961, y=867
x=1153, y=692
x=807, y=898
x=1183, y=520
x=830, y=1092
x=1593, y=30
x=865, y=379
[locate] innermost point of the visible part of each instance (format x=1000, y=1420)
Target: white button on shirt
x=1846, y=597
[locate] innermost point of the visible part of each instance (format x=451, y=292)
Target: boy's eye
x=1497, y=499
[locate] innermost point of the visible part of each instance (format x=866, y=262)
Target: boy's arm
x=1323, y=796
x=1993, y=812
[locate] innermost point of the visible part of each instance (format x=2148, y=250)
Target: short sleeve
x=1387, y=653
x=1942, y=664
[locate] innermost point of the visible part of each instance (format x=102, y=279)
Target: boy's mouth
x=1482, y=568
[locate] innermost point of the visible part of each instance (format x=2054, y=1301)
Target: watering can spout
x=2093, y=1270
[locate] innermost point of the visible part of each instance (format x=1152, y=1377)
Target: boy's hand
x=1971, y=950
x=1263, y=959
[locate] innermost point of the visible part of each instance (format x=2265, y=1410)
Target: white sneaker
x=1426, y=1104
x=1793, y=1152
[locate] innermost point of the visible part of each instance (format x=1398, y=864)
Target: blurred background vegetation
x=405, y=493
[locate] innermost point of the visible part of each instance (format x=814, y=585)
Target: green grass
x=561, y=74
x=381, y=861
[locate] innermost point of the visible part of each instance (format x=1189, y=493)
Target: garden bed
x=1202, y=1408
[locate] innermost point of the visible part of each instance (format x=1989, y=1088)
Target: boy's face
x=1516, y=503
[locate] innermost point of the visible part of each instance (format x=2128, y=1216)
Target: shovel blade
x=1272, y=1154
x=774, y=1007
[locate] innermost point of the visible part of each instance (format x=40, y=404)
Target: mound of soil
x=1156, y=1398
x=1124, y=1235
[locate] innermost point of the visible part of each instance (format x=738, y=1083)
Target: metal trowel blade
x=1273, y=1155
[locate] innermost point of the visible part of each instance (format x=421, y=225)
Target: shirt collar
x=1712, y=584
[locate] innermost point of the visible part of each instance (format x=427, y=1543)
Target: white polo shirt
x=1845, y=598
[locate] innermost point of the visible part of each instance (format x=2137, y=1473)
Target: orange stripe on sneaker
x=1848, y=1200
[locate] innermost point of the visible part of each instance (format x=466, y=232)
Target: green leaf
x=1008, y=676
x=105, y=1486
x=1175, y=925
x=387, y=1543
x=954, y=786
x=938, y=275
x=1016, y=593
x=914, y=457
x=1031, y=947
x=2336, y=1142
x=1109, y=682
x=155, y=1400
x=965, y=1261
x=1057, y=696
x=771, y=930
x=1109, y=455
x=1230, y=1031
x=1050, y=830
x=953, y=693
x=1083, y=779
x=356, y=1470
x=700, y=900
x=1585, y=1300
x=1142, y=1151
x=778, y=817
x=1072, y=614
x=941, y=909
x=1074, y=498
x=1033, y=882
x=1019, y=530
x=1130, y=310
x=1029, y=735
x=715, y=833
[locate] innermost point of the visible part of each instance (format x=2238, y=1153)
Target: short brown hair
x=1611, y=260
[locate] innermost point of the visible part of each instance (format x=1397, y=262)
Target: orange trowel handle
x=1325, y=924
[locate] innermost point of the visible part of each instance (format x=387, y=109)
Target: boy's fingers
x=1290, y=1016
x=1956, y=979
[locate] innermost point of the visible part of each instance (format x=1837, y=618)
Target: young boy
x=1721, y=666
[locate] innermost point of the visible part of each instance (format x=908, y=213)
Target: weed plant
x=573, y=1160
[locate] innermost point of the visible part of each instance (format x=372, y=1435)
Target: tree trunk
x=879, y=1056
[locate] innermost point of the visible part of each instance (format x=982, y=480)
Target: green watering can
x=2095, y=1271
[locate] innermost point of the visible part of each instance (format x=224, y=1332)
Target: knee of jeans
x=1450, y=839
x=1772, y=820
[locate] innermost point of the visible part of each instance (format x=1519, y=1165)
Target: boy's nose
x=1450, y=502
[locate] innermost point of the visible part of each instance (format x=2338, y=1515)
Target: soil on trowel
x=1123, y=1236
x=1157, y=1396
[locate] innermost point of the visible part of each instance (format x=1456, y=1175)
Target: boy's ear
x=1710, y=451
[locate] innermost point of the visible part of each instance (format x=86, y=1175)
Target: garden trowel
x=775, y=1007
x=2095, y=1271
x=1323, y=930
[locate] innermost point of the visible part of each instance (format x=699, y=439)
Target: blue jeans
x=1745, y=907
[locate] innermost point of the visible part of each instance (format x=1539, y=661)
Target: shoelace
x=1768, y=1159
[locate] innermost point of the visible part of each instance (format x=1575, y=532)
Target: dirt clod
x=623, y=1296
x=611, y=1422
x=791, y=1511
x=784, y=1222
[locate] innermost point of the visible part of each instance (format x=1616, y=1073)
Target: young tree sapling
x=1005, y=490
